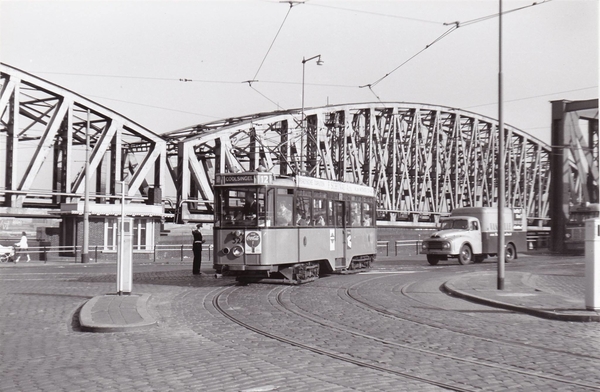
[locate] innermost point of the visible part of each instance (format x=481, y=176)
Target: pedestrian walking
x=23, y=247
x=197, y=248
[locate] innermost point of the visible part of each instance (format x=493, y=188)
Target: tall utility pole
x=500, y=162
x=303, y=120
x=85, y=258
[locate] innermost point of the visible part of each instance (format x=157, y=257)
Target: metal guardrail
x=45, y=251
x=533, y=242
x=538, y=241
x=181, y=249
x=398, y=244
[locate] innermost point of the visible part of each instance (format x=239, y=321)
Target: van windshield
x=462, y=224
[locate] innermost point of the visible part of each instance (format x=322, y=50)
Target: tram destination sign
x=245, y=178
x=239, y=179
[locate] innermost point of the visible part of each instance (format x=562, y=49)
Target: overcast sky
x=131, y=55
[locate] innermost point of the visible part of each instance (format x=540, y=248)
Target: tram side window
x=303, y=210
x=339, y=214
x=265, y=208
x=355, y=214
x=367, y=214
x=319, y=212
x=330, y=213
x=283, y=211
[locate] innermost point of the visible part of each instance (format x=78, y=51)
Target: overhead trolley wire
x=292, y=4
x=455, y=26
x=374, y=13
x=483, y=18
x=533, y=97
x=274, y=39
x=263, y=95
x=412, y=57
x=138, y=77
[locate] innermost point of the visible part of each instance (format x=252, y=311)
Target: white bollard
x=125, y=258
x=592, y=264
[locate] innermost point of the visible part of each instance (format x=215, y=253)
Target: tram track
x=351, y=295
x=345, y=291
x=322, y=351
x=275, y=298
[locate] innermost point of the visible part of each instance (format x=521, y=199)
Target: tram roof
x=265, y=178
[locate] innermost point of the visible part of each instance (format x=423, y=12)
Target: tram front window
x=242, y=207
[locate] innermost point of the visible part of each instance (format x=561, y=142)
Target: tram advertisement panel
x=253, y=242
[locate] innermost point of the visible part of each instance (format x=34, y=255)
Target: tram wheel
x=306, y=272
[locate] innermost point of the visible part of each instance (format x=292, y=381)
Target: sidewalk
x=116, y=313
x=555, y=297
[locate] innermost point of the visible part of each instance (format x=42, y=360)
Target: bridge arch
x=46, y=125
x=424, y=160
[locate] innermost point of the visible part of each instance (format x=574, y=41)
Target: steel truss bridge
x=423, y=160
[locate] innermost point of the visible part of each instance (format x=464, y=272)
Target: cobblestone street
x=391, y=329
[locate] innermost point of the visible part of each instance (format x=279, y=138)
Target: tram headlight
x=567, y=235
x=237, y=251
x=225, y=251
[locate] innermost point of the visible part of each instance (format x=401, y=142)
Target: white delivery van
x=470, y=234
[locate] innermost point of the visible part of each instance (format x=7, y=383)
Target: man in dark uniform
x=197, y=247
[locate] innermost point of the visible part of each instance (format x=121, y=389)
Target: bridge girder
x=45, y=126
x=423, y=160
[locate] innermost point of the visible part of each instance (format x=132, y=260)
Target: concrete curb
x=579, y=316
x=116, y=313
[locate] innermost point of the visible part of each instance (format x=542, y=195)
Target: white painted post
x=592, y=264
x=126, y=266
x=125, y=253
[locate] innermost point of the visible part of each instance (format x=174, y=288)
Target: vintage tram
x=291, y=228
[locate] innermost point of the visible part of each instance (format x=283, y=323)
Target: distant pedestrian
x=197, y=247
x=22, y=247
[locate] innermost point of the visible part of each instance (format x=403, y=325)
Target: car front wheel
x=466, y=255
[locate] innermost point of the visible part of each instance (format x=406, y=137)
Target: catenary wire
x=374, y=13
x=455, y=26
x=274, y=39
